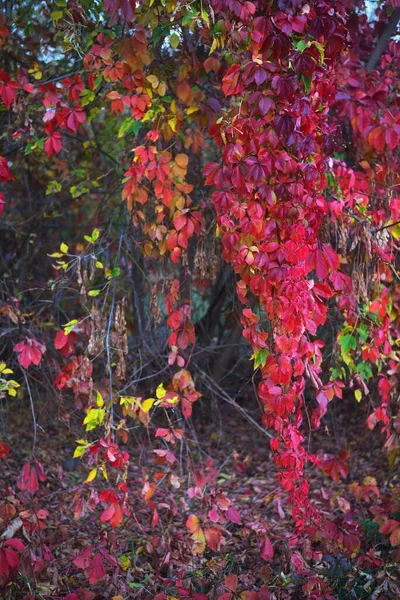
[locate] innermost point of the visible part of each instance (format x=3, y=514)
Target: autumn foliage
x=199, y=208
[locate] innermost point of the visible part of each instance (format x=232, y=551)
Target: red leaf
x=231, y=582
x=4, y=449
x=213, y=538
x=15, y=543
x=29, y=352
x=82, y=560
x=267, y=550
x=230, y=83
x=351, y=543
x=395, y=537
x=5, y=173
x=28, y=480
x=321, y=265
x=60, y=340
x=96, y=571
x=53, y=143
x=128, y=10
x=11, y=557
x=234, y=515
x=3, y=563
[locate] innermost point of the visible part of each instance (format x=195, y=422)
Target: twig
x=214, y=387
x=28, y=387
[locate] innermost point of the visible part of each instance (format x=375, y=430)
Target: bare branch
x=390, y=30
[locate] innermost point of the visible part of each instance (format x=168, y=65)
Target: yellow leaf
x=12, y=392
x=161, y=391
x=162, y=88
x=214, y=45
x=173, y=400
x=147, y=404
x=99, y=400
x=199, y=542
x=153, y=80
x=127, y=400
x=91, y=476
x=172, y=124
x=64, y=248
x=192, y=109
x=395, y=231
x=173, y=107
x=358, y=395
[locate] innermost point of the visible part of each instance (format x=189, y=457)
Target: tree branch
x=390, y=30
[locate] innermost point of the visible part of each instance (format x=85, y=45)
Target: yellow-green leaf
x=91, y=476
x=64, y=248
x=79, y=450
x=161, y=391
x=99, y=400
x=147, y=404
x=174, y=40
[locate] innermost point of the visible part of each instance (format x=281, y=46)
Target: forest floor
x=143, y=559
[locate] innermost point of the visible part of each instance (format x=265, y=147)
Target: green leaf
x=95, y=234
x=94, y=293
x=53, y=187
x=188, y=16
x=347, y=343
x=57, y=15
x=364, y=370
x=129, y=126
x=363, y=332
x=307, y=82
x=159, y=32
x=300, y=46
x=260, y=356
x=87, y=96
x=97, y=82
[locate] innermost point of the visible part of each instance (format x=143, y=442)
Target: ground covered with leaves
x=224, y=531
